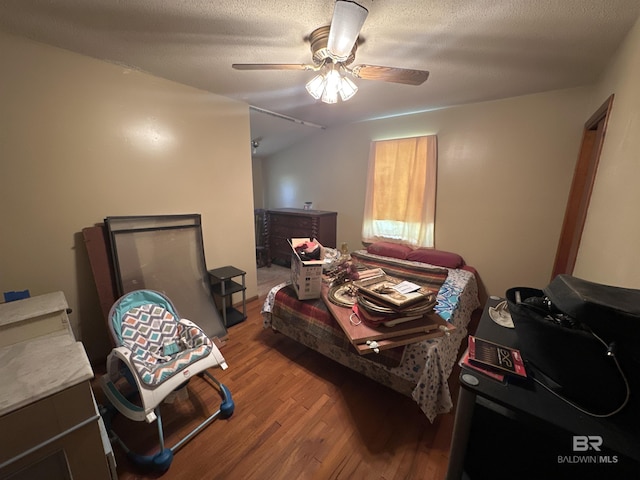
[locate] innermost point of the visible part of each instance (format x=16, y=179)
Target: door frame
x=581, y=187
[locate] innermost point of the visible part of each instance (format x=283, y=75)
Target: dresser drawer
x=291, y=221
x=291, y=232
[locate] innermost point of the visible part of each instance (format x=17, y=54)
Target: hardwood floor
x=298, y=415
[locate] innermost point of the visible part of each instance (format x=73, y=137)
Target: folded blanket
x=428, y=276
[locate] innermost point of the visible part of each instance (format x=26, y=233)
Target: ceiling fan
x=333, y=49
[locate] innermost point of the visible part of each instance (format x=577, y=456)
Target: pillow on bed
x=436, y=257
x=389, y=249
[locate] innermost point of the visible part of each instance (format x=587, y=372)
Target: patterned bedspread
x=425, y=365
x=320, y=324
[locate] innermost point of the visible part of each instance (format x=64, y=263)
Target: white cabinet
x=48, y=416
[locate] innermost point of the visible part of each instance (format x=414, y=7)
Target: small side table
x=223, y=287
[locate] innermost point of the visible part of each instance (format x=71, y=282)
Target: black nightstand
x=223, y=287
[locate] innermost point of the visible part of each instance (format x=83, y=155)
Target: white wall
x=611, y=237
x=82, y=139
x=504, y=172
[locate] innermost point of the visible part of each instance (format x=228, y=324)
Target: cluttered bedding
x=419, y=370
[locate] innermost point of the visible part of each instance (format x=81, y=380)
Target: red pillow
x=389, y=249
x=436, y=257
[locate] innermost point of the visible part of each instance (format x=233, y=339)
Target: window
x=401, y=191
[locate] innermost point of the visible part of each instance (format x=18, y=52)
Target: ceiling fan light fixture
x=329, y=96
x=347, y=89
x=332, y=79
x=331, y=86
x=327, y=86
x=348, y=18
x=315, y=86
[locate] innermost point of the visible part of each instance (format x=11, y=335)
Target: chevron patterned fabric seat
x=160, y=344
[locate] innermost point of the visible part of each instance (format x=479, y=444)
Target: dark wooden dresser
x=281, y=224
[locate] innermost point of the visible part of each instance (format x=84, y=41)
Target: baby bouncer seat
x=156, y=353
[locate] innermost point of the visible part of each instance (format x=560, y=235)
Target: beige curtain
x=401, y=191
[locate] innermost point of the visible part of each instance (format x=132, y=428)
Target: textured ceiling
x=475, y=50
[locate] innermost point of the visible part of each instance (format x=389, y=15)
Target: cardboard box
x=306, y=275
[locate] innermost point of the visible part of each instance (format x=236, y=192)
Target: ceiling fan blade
x=390, y=74
x=272, y=66
x=348, y=18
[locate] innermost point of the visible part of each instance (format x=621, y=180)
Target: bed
x=419, y=370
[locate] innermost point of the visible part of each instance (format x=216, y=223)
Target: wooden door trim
x=581, y=188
